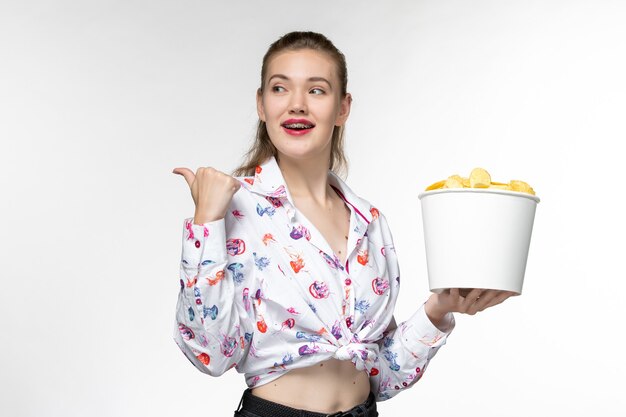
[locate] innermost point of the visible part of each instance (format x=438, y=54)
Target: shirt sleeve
x=405, y=351
x=213, y=316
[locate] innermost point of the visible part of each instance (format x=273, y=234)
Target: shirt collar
x=269, y=182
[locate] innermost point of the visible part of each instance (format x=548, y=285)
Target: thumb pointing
x=186, y=173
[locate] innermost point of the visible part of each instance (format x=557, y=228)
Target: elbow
x=210, y=364
x=213, y=368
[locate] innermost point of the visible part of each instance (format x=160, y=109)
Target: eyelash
x=276, y=87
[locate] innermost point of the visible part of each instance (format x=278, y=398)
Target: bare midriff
x=326, y=387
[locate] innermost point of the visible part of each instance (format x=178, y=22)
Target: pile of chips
x=480, y=178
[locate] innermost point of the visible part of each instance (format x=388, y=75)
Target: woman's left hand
x=451, y=301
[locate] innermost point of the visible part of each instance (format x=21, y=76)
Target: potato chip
x=454, y=181
x=479, y=178
x=436, y=186
x=500, y=186
x=521, y=186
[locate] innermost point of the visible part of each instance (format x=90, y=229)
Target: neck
x=307, y=179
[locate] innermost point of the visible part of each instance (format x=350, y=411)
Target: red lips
x=301, y=121
x=297, y=127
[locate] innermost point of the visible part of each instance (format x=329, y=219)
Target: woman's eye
x=278, y=89
x=317, y=91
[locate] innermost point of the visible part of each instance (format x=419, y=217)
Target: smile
x=297, y=127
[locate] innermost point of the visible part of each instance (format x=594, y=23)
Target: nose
x=297, y=105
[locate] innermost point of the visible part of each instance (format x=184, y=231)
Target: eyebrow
x=315, y=79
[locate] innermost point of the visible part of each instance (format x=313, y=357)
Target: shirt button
x=348, y=281
x=197, y=243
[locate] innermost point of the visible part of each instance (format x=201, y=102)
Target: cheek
x=272, y=108
x=325, y=110
x=331, y=115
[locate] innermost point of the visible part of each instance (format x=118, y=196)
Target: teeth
x=298, y=126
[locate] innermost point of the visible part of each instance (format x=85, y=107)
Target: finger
x=485, y=299
x=473, y=295
x=454, y=293
x=498, y=299
x=464, y=291
x=187, y=173
x=469, y=305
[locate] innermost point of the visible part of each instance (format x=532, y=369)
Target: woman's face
x=301, y=103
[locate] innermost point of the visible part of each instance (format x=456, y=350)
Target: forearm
x=208, y=319
x=405, y=353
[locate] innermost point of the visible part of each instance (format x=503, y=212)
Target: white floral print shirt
x=262, y=291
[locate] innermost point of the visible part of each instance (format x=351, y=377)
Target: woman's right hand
x=212, y=192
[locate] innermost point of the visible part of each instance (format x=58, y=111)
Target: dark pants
x=251, y=406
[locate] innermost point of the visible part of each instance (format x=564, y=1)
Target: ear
x=344, y=110
x=259, y=104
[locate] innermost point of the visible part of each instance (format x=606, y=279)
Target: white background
x=100, y=100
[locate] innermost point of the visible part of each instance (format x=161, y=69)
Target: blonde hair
x=262, y=147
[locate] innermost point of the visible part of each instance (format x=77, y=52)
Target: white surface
x=476, y=238
x=99, y=100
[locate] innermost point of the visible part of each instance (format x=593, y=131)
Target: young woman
x=289, y=276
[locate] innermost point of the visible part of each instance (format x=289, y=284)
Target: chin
x=301, y=151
